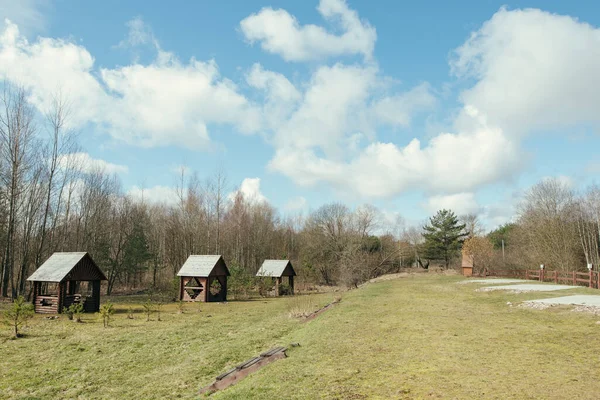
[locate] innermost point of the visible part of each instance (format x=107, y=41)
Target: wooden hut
x=467, y=264
x=65, y=279
x=277, y=269
x=203, y=278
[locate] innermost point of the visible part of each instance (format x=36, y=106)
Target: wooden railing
x=589, y=279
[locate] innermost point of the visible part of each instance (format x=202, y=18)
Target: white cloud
x=296, y=204
x=534, y=70
x=156, y=194
x=459, y=203
x=280, y=33
x=250, y=190
x=28, y=14
x=139, y=34
x=164, y=103
x=449, y=163
x=89, y=164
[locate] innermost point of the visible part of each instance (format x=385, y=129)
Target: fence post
x=574, y=278
x=527, y=274
x=542, y=275
x=591, y=285
x=555, y=276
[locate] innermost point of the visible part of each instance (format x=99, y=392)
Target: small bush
x=301, y=306
x=106, y=311
x=75, y=310
x=148, y=308
x=18, y=314
x=285, y=290
x=265, y=285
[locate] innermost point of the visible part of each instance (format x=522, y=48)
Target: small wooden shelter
x=65, y=279
x=467, y=264
x=277, y=269
x=203, y=278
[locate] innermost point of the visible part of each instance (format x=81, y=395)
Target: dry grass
x=418, y=337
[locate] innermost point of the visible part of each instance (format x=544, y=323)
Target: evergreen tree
x=136, y=251
x=443, y=236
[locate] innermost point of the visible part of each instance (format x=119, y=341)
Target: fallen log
x=244, y=369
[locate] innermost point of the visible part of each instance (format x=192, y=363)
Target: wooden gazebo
x=203, y=278
x=65, y=279
x=277, y=269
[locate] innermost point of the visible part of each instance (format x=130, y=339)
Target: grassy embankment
x=415, y=337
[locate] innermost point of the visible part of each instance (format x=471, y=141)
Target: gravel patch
x=493, y=281
x=525, y=288
x=583, y=303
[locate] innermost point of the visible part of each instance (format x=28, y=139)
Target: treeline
x=50, y=200
x=555, y=226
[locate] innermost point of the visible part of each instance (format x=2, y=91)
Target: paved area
x=528, y=287
x=577, y=300
x=494, y=281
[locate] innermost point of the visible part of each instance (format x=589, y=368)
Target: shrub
x=241, y=283
x=285, y=290
x=148, y=308
x=75, y=310
x=106, y=311
x=301, y=306
x=264, y=285
x=18, y=314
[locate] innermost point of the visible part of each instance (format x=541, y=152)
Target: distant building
x=277, y=269
x=66, y=279
x=203, y=278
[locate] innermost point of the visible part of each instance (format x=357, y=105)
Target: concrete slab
x=494, y=281
x=528, y=287
x=576, y=300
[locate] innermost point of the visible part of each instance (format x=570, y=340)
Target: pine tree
x=443, y=236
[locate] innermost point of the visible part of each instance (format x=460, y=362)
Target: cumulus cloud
x=280, y=33
x=250, y=190
x=167, y=102
x=448, y=163
x=89, y=164
x=534, y=70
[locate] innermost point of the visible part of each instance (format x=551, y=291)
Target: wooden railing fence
x=589, y=279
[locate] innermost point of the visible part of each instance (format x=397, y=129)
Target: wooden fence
x=589, y=279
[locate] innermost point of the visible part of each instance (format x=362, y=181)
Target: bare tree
x=18, y=149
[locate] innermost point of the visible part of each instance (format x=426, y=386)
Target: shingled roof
x=276, y=268
x=59, y=266
x=201, y=266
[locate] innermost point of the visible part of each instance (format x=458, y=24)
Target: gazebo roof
x=201, y=266
x=59, y=266
x=276, y=268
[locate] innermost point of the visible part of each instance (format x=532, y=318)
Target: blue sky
x=409, y=106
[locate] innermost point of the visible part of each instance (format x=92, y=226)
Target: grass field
x=417, y=337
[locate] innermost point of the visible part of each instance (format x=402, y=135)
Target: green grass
x=416, y=337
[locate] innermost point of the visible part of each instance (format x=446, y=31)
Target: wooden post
x=277, y=282
x=555, y=276
x=527, y=274
x=180, y=288
x=291, y=281
x=574, y=278
x=61, y=296
x=591, y=283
